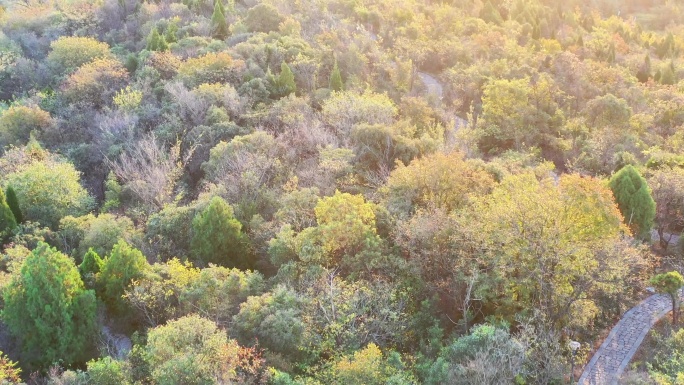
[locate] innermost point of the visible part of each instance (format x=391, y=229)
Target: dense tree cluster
x=332, y=192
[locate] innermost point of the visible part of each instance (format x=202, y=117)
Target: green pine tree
x=644, y=72
x=336, y=79
x=132, y=63
x=633, y=197
x=170, y=34
x=490, y=14
x=666, y=47
x=667, y=76
x=13, y=204
x=7, y=220
x=153, y=40
x=219, y=26
x=91, y=265
x=49, y=309
x=112, y=193
x=669, y=283
x=284, y=84
x=217, y=236
x=163, y=45
x=120, y=268
x=611, y=54
x=219, y=4
x=156, y=42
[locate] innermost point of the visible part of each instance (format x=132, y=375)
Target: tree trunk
x=661, y=238
x=674, y=309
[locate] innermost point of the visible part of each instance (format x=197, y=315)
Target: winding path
x=432, y=84
x=436, y=88
x=611, y=359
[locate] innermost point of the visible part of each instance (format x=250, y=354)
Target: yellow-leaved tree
x=557, y=246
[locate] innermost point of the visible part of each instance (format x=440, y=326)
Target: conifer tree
x=153, y=40
x=633, y=197
x=644, y=72
x=669, y=283
x=270, y=78
x=47, y=306
x=7, y=220
x=131, y=63
x=217, y=236
x=112, y=193
x=119, y=269
x=13, y=204
x=170, y=34
x=156, y=42
x=163, y=45
x=667, y=75
x=284, y=84
x=219, y=26
x=490, y=14
x=91, y=265
x=336, y=79
x=611, y=54
x=666, y=47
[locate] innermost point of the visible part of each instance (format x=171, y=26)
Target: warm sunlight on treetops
x=314, y=192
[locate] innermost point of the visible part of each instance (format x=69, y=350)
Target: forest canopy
x=332, y=191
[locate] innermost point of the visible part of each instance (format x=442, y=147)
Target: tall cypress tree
x=667, y=75
x=153, y=40
x=336, y=79
x=490, y=14
x=285, y=82
x=666, y=47
x=611, y=54
x=644, y=72
x=219, y=26
x=163, y=45
x=170, y=34
x=13, y=204
x=219, y=4
x=633, y=197
x=7, y=221
x=156, y=42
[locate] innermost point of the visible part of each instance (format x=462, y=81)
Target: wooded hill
x=332, y=191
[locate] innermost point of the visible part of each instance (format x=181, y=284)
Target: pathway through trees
x=436, y=88
x=611, y=359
